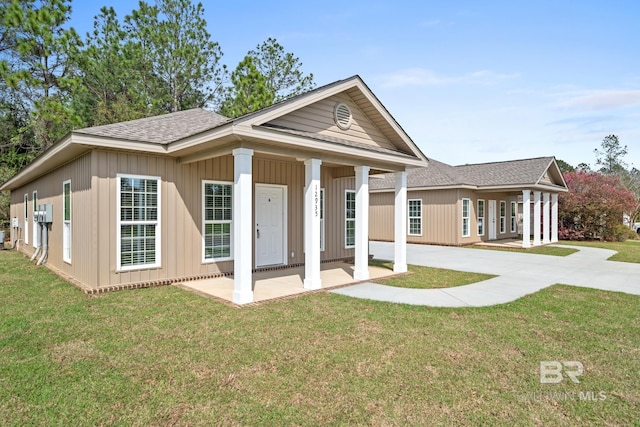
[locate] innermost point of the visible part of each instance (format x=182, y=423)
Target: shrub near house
x=592, y=207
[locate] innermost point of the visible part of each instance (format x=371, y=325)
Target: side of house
x=468, y=204
x=194, y=194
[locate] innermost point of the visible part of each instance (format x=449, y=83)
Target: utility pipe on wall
x=37, y=232
x=44, y=243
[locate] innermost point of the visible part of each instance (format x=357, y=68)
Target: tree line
x=159, y=58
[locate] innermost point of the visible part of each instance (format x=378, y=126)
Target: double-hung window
x=217, y=217
x=36, y=229
x=138, y=228
x=415, y=217
x=66, y=221
x=480, y=217
x=514, y=212
x=26, y=219
x=503, y=216
x=466, y=207
x=350, y=219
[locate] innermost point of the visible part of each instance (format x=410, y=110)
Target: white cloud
x=425, y=77
x=600, y=99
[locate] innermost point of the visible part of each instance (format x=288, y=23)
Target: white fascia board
x=34, y=169
x=443, y=187
x=392, y=122
x=520, y=187
x=118, y=144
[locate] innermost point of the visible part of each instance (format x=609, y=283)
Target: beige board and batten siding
x=439, y=221
x=181, y=211
x=319, y=118
x=441, y=216
x=49, y=188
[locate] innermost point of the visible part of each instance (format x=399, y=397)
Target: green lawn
x=429, y=277
x=540, y=250
x=165, y=356
x=628, y=251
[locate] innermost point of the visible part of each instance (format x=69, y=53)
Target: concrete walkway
x=519, y=274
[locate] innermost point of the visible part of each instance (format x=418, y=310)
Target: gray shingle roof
x=161, y=129
x=438, y=174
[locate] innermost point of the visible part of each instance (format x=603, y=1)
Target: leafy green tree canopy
x=171, y=37
x=610, y=156
x=39, y=64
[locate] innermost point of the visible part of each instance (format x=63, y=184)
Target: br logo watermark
x=554, y=372
x=551, y=372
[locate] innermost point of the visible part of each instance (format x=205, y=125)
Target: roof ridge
x=505, y=161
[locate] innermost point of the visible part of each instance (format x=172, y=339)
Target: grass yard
x=628, y=251
x=429, y=277
x=165, y=356
x=540, y=250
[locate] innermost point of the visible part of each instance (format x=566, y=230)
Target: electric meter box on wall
x=45, y=213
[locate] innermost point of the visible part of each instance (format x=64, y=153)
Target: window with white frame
x=138, y=226
x=503, y=216
x=466, y=207
x=480, y=217
x=514, y=213
x=26, y=219
x=34, y=209
x=322, y=219
x=66, y=221
x=349, y=219
x=217, y=215
x=415, y=217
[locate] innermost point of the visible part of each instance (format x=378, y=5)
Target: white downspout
x=37, y=231
x=44, y=243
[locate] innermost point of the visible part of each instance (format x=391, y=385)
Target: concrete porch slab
x=276, y=284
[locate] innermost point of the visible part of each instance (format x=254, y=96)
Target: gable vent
x=342, y=115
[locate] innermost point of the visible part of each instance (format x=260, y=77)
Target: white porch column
x=242, y=226
x=361, y=271
x=526, y=218
x=545, y=217
x=312, y=224
x=554, y=218
x=536, y=218
x=400, y=219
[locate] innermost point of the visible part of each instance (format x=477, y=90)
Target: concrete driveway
x=519, y=274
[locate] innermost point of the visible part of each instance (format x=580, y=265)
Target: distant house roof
x=540, y=171
x=161, y=129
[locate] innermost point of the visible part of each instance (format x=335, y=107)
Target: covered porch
x=313, y=275
x=282, y=283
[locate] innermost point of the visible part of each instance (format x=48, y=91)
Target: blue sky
x=469, y=81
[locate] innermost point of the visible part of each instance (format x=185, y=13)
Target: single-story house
x=467, y=204
x=193, y=194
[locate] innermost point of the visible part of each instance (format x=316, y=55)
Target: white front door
x=270, y=231
x=492, y=220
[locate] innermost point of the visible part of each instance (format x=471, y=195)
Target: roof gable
x=311, y=114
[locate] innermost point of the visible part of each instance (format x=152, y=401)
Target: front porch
x=282, y=283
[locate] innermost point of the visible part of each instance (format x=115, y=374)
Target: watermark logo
x=554, y=372
x=551, y=371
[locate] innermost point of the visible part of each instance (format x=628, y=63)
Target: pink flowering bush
x=594, y=207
